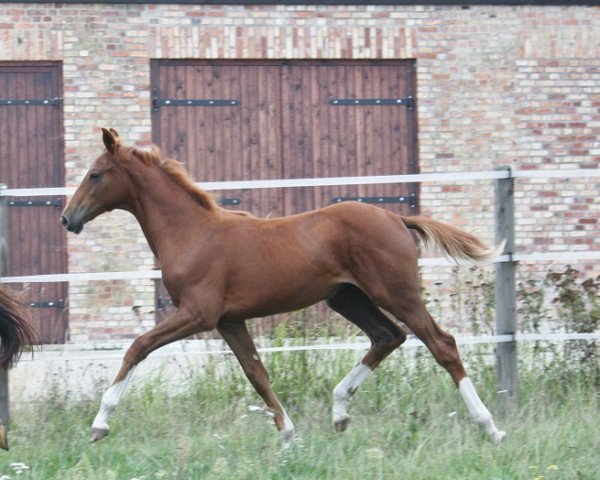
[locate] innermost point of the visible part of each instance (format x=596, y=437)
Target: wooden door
x=258, y=120
x=32, y=156
x=346, y=119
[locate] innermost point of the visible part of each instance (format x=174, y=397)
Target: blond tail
x=453, y=242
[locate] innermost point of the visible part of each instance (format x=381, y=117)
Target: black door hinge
x=410, y=199
x=52, y=102
x=200, y=102
x=36, y=203
x=407, y=102
x=60, y=303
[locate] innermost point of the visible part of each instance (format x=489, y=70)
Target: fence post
x=3, y=257
x=505, y=293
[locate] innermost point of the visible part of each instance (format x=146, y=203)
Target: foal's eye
x=95, y=176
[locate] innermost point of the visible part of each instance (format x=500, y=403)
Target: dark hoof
x=98, y=434
x=3, y=437
x=341, y=425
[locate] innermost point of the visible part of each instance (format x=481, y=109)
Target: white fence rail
x=220, y=348
x=156, y=274
x=338, y=181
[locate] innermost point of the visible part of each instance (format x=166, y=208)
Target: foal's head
x=119, y=172
x=105, y=186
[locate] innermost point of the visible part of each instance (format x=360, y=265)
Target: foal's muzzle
x=72, y=223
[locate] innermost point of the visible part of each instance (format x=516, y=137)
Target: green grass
x=401, y=428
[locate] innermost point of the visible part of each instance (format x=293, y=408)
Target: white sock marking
x=344, y=390
x=480, y=414
x=289, y=432
x=110, y=400
x=288, y=426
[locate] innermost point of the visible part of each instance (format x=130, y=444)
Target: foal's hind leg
x=443, y=347
x=238, y=338
x=385, y=336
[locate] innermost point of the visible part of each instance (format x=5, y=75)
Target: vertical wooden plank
x=56, y=177
x=228, y=87
x=310, y=120
x=270, y=161
x=292, y=154
x=275, y=153
x=305, y=136
x=399, y=134
x=214, y=88
x=248, y=104
x=48, y=159
x=260, y=74
x=185, y=120
x=411, y=129
x=362, y=131
x=4, y=410
x=296, y=157
x=36, y=164
x=203, y=168
x=372, y=158
x=253, y=82
x=302, y=158
x=286, y=129
x=170, y=114
x=396, y=135
x=505, y=293
x=241, y=131
x=3, y=248
x=323, y=126
x=335, y=127
x=3, y=232
x=336, y=124
x=314, y=109
x=347, y=132
x=32, y=87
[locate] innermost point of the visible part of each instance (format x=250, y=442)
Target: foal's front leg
x=239, y=340
x=181, y=325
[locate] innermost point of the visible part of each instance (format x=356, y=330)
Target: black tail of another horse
x=15, y=327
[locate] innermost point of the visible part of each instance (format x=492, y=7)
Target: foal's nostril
x=64, y=221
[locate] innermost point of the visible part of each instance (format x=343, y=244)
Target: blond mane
x=174, y=170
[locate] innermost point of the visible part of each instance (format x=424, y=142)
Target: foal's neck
x=164, y=210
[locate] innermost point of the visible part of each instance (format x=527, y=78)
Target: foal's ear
x=110, y=140
x=114, y=132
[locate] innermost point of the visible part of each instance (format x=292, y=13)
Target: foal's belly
x=281, y=299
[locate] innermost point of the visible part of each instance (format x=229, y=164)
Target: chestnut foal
x=222, y=268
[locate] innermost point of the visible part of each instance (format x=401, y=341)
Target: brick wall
x=496, y=85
